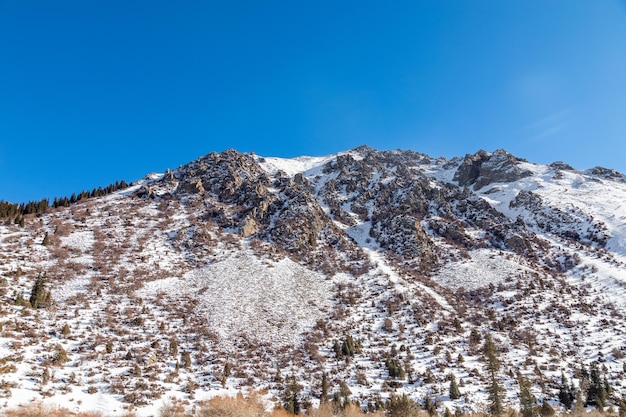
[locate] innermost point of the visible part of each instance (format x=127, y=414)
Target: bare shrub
x=231, y=407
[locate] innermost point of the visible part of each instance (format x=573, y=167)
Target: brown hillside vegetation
x=252, y=407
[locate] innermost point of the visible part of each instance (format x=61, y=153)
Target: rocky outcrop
x=232, y=191
x=561, y=166
x=607, y=173
x=191, y=186
x=484, y=168
x=568, y=223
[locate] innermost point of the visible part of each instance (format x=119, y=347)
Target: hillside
x=382, y=270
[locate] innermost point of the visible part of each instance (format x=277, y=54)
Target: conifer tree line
x=17, y=211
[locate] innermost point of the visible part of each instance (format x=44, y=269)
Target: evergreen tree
x=226, y=371
x=401, y=406
x=19, y=299
x=474, y=337
x=291, y=396
x=342, y=395
x=395, y=369
x=566, y=393
x=278, y=378
x=528, y=401
x=174, y=346
x=337, y=350
x=39, y=295
x=494, y=389
x=408, y=370
x=597, y=392
x=324, y=388
x=45, y=376
x=347, y=347
x=454, y=388
x=185, y=360
x=430, y=407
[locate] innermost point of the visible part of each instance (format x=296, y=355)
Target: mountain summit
x=380, y=272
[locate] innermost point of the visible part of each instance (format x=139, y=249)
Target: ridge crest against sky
x=92, y=92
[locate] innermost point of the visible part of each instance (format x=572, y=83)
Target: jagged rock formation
x=484, y=168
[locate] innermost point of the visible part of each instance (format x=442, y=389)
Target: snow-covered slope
x=218, y=276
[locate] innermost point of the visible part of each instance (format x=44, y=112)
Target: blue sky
x=95, y=91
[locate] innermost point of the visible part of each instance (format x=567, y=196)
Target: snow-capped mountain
x=236, y=271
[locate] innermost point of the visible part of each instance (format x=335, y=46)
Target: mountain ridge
x=260, y=264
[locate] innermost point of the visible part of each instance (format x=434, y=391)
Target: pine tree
x=39, y=295
x=278, y=378
x=227, y=369
x=19, y=299
x=291, y=396
x=597, y=392
x=401, y=406
x=347, y=347
x=395, y=369
x=430, y=407
x=342, y=395
x=225, y=373
x=566, y=393
x=454, y=388
x=174, y=347
x=337, y=350
x=324, y=388
x=474, y=337
x=528, y=401
x=494, y=389
x=185, y=360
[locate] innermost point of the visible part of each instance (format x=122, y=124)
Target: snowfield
x=272, y=302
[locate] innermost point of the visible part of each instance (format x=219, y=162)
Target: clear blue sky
x=95, y=91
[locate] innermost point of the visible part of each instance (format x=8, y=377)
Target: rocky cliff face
x=483, y=168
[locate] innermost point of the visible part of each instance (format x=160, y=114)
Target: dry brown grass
x=40, y=410
x=232, y=407
x=251, y=407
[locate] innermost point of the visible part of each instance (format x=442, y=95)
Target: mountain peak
x=264, y=265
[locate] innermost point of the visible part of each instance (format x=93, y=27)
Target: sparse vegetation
x=158, y=291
